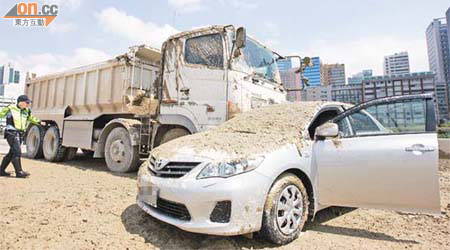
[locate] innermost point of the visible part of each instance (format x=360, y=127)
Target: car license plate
x=149, y=195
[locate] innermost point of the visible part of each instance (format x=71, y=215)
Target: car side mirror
x=241, y=38
x=328, y=129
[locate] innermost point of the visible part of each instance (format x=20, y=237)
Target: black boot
x=18, y=168
x=5, y=173
x=4, y=165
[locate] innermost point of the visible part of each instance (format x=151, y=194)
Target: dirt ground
x=80, y=205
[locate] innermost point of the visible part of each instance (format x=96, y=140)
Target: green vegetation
x=444, y=131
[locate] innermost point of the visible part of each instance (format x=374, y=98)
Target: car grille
x=173, y=169
x=172, y=209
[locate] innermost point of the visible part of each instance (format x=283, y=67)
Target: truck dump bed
x=102, y=88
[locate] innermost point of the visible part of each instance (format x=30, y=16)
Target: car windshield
x=258, y=60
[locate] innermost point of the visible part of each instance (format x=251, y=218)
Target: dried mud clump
x=254, y=132
x=140, y=104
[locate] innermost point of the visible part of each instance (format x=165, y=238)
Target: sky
x=358, y=33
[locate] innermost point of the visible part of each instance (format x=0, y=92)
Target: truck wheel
x=88, y=153
x=120, y=155
x=35, y=137
x=173, y=134
x=52, y=147
x=285, y=211
x=70, y=154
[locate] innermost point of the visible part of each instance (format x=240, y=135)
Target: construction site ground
x=81, y=205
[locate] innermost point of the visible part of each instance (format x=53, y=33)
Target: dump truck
x=122, y=108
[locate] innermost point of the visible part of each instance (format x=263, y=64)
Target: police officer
x=18, y=118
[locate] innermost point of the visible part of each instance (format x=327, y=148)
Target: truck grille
x=172, y=209
x=173, y=169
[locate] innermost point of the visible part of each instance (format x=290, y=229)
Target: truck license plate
x=149, y=195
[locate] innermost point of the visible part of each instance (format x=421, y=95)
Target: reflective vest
x=18, y=119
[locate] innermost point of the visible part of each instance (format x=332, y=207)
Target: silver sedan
x=271, y=169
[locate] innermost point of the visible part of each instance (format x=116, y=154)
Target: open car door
x=385, y=157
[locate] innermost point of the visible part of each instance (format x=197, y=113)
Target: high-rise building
x=447, y=14
x=10, y=82
x=438, y=49
x=438, y=58
x=359, y=77
x=313, y=73
x=284, y=64
x=396, y=64
x=333, y=74
x=16, y=76
x=442, y=100
x=2, y=70
x=9, y=75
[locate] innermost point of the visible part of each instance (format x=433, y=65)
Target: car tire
x=120, y=155
x=173, y=134
x=34, y=140
x=285, y=211
x=53, y=149
x=70, y=153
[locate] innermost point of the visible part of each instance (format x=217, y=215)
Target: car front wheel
x=286, y=210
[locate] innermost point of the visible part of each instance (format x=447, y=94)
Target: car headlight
x=227, y=169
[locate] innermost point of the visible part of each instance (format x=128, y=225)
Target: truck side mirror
x=241, y=38
x=328, y=129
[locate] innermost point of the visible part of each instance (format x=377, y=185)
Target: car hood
x=256, y=132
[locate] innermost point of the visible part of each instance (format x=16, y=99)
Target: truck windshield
x=258, y=60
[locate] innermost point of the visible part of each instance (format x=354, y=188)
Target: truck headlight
x=227, y=169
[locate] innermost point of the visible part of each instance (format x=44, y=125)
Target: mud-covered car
x=271, y=169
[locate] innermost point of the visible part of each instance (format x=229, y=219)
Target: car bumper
x=246, y=192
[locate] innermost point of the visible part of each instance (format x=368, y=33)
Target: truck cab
x=206, y=78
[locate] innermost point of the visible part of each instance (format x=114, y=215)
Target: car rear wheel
x=285, y=211
x=120, y=155
x=53, y=149
x=34, y=140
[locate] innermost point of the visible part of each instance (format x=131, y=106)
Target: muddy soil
x=266, y=129
x=80, y=205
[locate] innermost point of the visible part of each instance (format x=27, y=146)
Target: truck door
x=254, y=78
x=201, y=79
x=386, y=158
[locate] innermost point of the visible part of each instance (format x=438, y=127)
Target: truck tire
x=285, y=211
x=173, y=134
x=120, y=155
x=70, y=154
x=88, y=153
x=35, y=138
x=52, y=147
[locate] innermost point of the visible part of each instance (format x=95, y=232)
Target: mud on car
x=270, y=169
